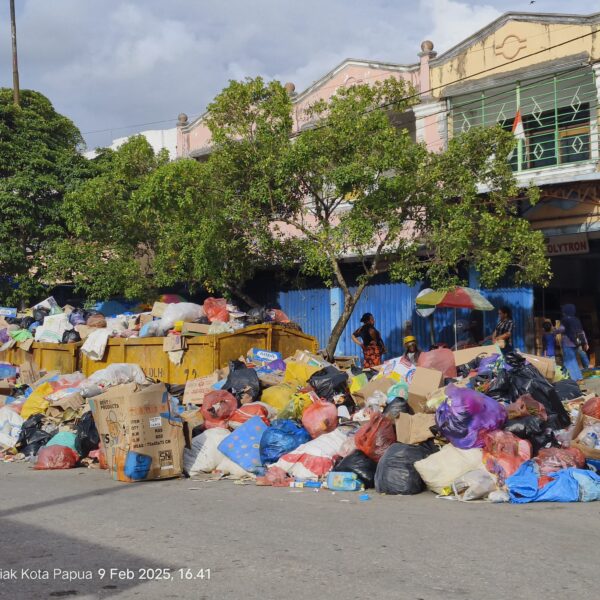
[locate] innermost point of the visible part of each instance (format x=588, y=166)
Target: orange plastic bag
x=217, y=408
x=551, y=460
x=216, y=309
x=320, y=417
x=376, y=436
x=591, y=408
x=504, y=453
x=247, y=411
x=56, y=457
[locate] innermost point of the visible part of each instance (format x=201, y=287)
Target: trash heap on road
x=470, y=425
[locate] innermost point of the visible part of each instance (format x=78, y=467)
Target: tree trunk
x=336, y=333
x=243, y=296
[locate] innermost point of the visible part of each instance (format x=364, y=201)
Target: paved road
x=280, y=543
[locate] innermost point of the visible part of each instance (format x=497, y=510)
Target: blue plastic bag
x=523, y=486
x=281, y=437
x=589, y=484
x=243, y=445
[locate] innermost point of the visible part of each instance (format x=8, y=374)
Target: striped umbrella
x=459, y=297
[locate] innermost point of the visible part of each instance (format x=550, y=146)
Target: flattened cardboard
x=173, y=343
x=271, y=379
x=462, y=357
x=191, y=419
x=414, y=429
x=195, y=329
x=196, y=389
x=73, y=402
x=25, y=345
x=84, y=331
x=142, y=440
x=29, y=372
x=145, y=318
x=6, y=387
x=381, y=385
x=546, y=366
x=423, y=382
x=158, y=309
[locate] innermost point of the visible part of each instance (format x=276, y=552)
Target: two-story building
x=541, y=69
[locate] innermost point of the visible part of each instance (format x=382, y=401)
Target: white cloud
x=112, y=63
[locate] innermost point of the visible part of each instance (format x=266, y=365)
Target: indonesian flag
x=517, y=128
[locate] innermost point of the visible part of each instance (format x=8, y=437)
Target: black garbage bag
x=32, y=437
x=396, y=473
x=242, y=382
x=534, y=429
x=567, y=389
x=361, y=465
x=256, y=316
x=13, y=321
x=70, y=337
x=39, y=314
x=26, y=322
x=328, y=382
x=86, y=435
x=526, y=379
x=396, y=406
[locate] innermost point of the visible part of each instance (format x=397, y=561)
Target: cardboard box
x=158, y=309
x=172, y=343
x=29, y=373
x=195, y=329
x=6, y=387
x=382, y=385
x=141, y=438
x=271, y=379
x=581, y=422
x=196, y=389
x=462, y=357
x=414, y=429
x=191, y=419
x=423, y=382
x=84, y=331
x=259, y=356
x=25, y=345
x=73, y=401
x=546, y=366
x=5, y=311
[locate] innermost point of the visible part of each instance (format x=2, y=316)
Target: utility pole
x=15, y=63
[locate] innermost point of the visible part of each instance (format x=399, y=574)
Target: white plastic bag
x=474, y=485
x=114, y=374
x=181, y=311
x=441, y=469
x=53, y=329
x=228, y=467
x=95, y=344
x=204, y=456
x=10, y=427
x=315, y=458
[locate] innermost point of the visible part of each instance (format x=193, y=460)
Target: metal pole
x=15, y=63
x=455, y=332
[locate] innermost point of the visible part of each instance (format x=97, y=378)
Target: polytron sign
x=567, y=244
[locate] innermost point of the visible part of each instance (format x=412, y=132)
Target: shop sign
x=561, y=245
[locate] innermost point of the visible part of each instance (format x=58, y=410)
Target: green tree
x=108, y=249
x=39, y=164
x=354, y=186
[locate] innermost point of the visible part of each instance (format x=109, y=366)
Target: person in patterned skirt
x=369, y=339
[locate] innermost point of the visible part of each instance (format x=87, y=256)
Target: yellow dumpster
x=49, y=357
x=204, y=354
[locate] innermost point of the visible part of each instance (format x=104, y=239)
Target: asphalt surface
x=243, y=541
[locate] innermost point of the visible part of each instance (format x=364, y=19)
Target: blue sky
x=115, y=64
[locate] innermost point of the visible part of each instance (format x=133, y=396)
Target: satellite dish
x=425, y=312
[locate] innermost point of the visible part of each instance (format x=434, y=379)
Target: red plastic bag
x=56, y=457
x=504, y=453
x=551, y=460
x=525, y=406
x=591, y=408
x=216, y=309
x=247, y=411
x=217, y=408
x=320, y=417
x=376, y=436
x=441, y=359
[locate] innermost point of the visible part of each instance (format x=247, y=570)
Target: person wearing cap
x=369, y=339
x=411, y=351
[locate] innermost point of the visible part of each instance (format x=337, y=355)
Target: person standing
x=369, y=339
x=412, y=351
x=548, y=340
x=573, y=342
x=504, y=329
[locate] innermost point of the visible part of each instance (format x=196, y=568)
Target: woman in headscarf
x=573, y=339
x=369, y=339
x=411, y=350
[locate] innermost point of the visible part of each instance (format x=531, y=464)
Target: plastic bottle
x=340, y=481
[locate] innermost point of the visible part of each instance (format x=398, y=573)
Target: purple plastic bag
x=486, y=363
x=466, y=415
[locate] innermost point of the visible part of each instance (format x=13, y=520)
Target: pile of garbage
x=48, y=322
x=469, y=425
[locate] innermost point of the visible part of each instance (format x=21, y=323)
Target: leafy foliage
x=39, y=164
